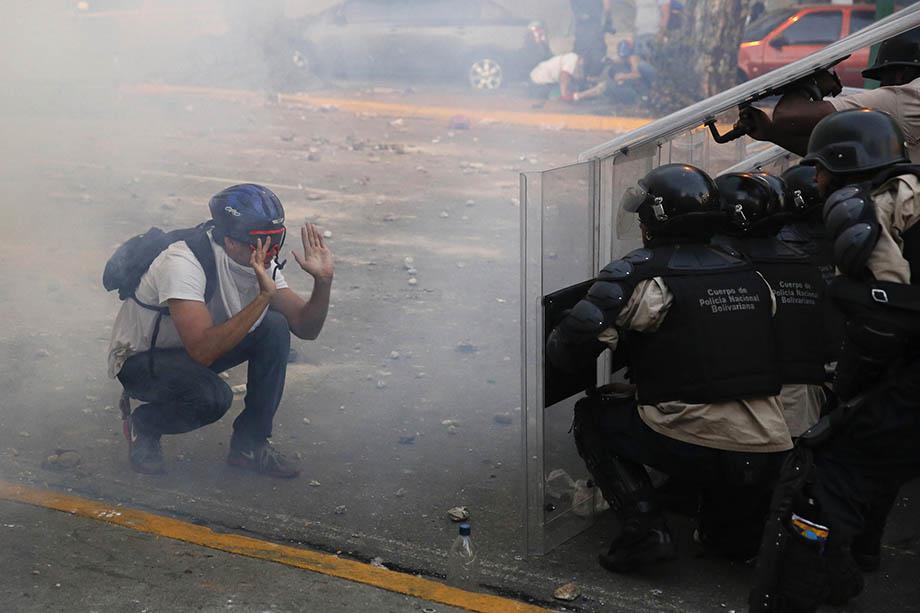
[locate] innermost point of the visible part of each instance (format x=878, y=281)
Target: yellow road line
x=326, y=564
x=594, y=123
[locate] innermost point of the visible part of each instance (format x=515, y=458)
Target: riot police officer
x=754, y=205
x=705, y=407
x=849, y=464
x=897, y=68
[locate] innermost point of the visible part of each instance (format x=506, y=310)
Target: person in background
x=562, y=71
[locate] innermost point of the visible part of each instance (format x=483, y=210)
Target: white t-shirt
x=177, y=274
x=648, y=15
x=902, y=102
x=548, y=72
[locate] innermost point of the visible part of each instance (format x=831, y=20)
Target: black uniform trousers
x=735, y=487
x=870, y=456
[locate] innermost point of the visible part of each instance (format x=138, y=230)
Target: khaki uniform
x=752, y=425
x=897, y=207
x=902, y=102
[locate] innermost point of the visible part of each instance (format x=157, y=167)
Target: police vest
x=716, y=342
x=800, y=316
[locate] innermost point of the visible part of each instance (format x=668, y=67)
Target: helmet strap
x=278, y=266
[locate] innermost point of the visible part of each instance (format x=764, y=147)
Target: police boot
x=644, y=539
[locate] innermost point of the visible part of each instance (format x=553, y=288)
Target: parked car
x=476, y=40
x=785, y=35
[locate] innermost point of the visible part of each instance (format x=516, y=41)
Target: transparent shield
x=559, y=250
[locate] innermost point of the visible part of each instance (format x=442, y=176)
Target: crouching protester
x=205, y=299
x=693, y=323
x=837, y=487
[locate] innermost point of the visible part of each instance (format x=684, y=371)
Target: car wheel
x=486, y=74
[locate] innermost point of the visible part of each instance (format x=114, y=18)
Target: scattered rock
x=62, y=459
x=444, y=215
x=394, y=355
x=413, y=281
x=42, y=353
x=470, y=203
x=400, y=492
x=314, y=483
x=567, y=592
x=327, y=234
x=656, y=592
x=407, y=440
x=340, y=510
x=238, y=389
x=420, y=375
x=313, y=197
x=381, y=384
x=306, y=420
x=224, y=375
x=24, y=434
x=450, y=422
x=287, y=137
x=467, y=347
x=458, y=514
x=397, y=122
x=503, y=419
x=377, y=562
x=412, y=272
x=408, y=262
x=452, y=429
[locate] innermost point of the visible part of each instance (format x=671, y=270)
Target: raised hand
x=317, y=258
x=257, y=259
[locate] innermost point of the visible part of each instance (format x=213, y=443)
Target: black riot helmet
x=901, y=51
x=802, y=195
x=748, y=200
x=676, y=200
x=856, y=141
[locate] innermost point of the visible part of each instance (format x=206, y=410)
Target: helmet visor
x=633, y=198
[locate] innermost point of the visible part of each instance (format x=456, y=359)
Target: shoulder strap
x=200, y=245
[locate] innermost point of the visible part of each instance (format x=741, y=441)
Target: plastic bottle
x=463, y=563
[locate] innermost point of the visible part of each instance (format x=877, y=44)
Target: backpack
x=124, y=270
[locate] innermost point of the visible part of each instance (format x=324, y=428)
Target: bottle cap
x=464, y=529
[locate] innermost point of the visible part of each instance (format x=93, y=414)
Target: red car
x=786, y=35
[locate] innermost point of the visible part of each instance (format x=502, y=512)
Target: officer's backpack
x=124, y=269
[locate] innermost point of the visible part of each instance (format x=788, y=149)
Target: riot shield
x=559, y=221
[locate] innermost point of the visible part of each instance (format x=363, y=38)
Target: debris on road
x=341, y=509
x=238, y=389
x=314, y=483
x=306, y=420
x=458, y=514
x=407, y=440
x=467, y=347
x=567, y=592
x=62, y=459
x=381, y=384
x=377, y=562
x=327, y=234
x=400, y=492
x=408, y=262
x=394, y=355
x=413, y=281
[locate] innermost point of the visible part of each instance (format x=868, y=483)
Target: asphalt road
x=406, y=406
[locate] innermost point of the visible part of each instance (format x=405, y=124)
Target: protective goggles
x=277, y=235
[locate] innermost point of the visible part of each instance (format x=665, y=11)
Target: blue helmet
x=248, y=212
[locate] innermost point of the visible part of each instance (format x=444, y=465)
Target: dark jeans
x=182, y=395
x=735, y=487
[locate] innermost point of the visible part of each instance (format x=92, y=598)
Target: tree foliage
x=701, y=58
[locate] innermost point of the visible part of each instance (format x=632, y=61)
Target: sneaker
x=644, y=540
x=144, y=450
x=263, y=458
